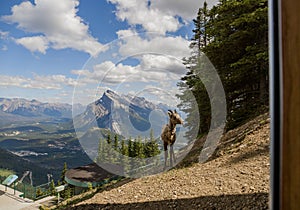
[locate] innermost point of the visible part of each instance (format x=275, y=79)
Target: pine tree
x=38, y=192
x=124, y=157
x=140, y=148
x=62, y=176
x=154, y=148
x=194, y=98
x=108, y=148
x=124, y=148
x=200, y=38
x=147, y=148
x=116, y=142
x=67, y=193
x=130, y=148
x=239, y=51
x=135, y=148
x=52, y=188
x=151, y=148
x=102, y=149
x=108, y=139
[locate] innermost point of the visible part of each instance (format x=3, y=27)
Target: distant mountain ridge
x=34, y=108
x=19, y=109
x=123, y=114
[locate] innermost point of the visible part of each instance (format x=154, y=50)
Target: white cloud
x=152, y=68
x=48, y=82
x=109, y=73
x=159, y=58
x=164, y=63
x=163, y=94
x=17, y=81
x=81, y=72
x=52, y=81
x=137, y=12
x=166, y=45
x=126, y=33
x=4, y=48
x=158, y=16
x=186, y=9
x=149, y=78
x=35, y=43
x=155, y=58
x=58, y=22
x=210, y=3
x=4, y=34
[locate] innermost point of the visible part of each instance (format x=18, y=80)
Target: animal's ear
x=175, y=111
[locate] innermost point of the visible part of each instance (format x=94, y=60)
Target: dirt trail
x=238, y=178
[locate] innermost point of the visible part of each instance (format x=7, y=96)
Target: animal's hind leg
x=173, y=154
x=166, y=154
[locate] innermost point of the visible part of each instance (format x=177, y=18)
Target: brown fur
x=168, y=135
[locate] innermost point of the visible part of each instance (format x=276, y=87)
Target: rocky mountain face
x=123, y=114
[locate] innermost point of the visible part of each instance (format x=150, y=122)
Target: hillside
x=20, y=165
x=41, y=147
x=236, y=177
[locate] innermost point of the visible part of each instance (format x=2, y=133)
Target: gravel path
x=237, y=179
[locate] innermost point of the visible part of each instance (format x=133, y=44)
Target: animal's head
x=175, y=117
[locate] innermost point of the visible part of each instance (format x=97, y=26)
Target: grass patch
x=6, y=172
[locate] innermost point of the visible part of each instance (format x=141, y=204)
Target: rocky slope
x=236, y=177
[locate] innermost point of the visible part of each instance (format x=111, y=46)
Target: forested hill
x=234, y=36
x=20, y=165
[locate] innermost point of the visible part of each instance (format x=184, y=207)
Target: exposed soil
x=236, y=177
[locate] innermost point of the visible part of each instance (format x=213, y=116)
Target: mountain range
x=130, y=117
x=34, y=108
x=126, y=115
x=123, y=114
x=22, y=110
x=34, y=127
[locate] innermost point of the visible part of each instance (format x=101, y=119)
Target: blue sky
x=52, y=50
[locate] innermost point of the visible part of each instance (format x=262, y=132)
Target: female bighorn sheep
x=168, y=135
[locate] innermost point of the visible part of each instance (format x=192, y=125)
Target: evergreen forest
x=233, y=35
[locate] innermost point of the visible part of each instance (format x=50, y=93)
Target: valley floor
x=237, y=179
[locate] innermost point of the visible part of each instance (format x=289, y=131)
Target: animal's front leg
x=171, y=156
